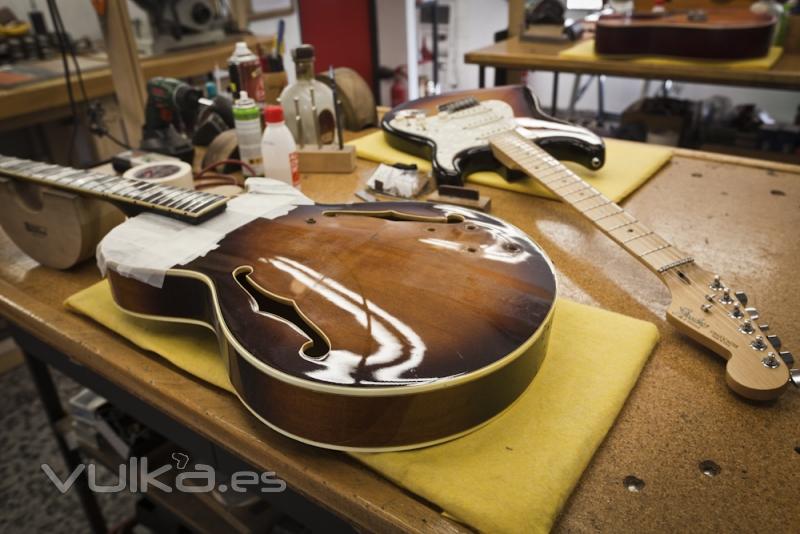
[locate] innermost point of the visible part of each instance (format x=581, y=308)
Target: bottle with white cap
x=247, y=118
x=278, y=149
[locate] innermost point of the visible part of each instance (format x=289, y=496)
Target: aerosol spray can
x=247, y=118
x=244, y=70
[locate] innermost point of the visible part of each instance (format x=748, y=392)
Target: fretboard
x=647, y=246
x=132, y=196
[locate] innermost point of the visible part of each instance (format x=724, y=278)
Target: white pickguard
x=456, y=131
x=472, y=127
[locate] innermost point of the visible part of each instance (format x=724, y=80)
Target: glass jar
x=308, y=103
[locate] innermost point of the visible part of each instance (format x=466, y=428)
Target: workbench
x=738, y=216
x=45, y=100
x=514, y=53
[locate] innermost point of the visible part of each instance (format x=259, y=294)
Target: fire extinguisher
x=399, y=90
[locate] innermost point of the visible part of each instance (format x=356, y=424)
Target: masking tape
x=174, y=173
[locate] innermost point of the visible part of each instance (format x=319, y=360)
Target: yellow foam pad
x=584, y=50
x=628, y=166
x=512, y=475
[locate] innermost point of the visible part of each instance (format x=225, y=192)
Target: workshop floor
x=31, y=503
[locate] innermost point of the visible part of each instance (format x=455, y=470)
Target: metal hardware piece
x=747, y=327
x=706, y=307
x=758, y=343
x=770, y=361
x=775, y=341
x=741, y=296
x=726, y=296
x=794, y=377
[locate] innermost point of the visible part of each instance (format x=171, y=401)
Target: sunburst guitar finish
x=370, y=327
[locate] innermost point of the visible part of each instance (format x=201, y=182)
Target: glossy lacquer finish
x=373, y=326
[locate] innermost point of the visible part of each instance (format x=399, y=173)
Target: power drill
x=170, y=114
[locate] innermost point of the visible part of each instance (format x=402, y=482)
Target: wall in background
x=79, y=16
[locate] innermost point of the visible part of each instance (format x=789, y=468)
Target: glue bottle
x=278, y=148
x=247, y=118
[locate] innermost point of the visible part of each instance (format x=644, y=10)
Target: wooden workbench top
x=19, y=103
x=516, y=54
x=738, y=216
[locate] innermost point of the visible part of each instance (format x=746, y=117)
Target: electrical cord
x=51, y=5
x=94, y=110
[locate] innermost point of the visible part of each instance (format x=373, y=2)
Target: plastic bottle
x=278, y=149
x=247, y=118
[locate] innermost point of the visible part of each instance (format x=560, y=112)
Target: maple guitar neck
x=655, y=252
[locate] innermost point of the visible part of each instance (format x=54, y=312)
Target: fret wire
x=638, y=237
x=199, y=200
x=205, y=205
x=180, y=198
x=655, y=250
x=191, y=199
x=583, y=185
x=175, y=198
x=605, y=202
x=609, y=215
x=593, y=195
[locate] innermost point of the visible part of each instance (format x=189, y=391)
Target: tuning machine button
x=794, y=377
x=758, y=343
x=747, y=327
x=752, y=312
x=706, y=307
x=775, y=341
x=741, y=296
x=770, y=361
x=787, y=357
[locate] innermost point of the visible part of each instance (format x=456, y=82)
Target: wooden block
x=482, y=203
x=56, y=228
x=328, y=159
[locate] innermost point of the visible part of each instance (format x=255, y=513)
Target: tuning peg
x=741, y=296
x=787, y=357
x=770, y=361
x=737, y=312
x=775, y=341
x=752, y=312
x=763, y=327
x=726, y=296
x=747, y=327
x=758, y=343
x=717, y=283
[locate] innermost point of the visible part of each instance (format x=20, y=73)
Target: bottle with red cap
x=278, y=149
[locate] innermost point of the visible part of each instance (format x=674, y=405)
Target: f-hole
x=318, y=345
x=392, y=215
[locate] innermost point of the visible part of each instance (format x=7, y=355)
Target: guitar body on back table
x=725, y=34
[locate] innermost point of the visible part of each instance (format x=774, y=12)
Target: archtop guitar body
x=375, y=326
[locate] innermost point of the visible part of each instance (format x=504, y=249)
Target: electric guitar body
x=456, y=131
x=378, y=326
x=461, y=145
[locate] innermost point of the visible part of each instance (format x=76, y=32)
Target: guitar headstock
x=724, y=319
